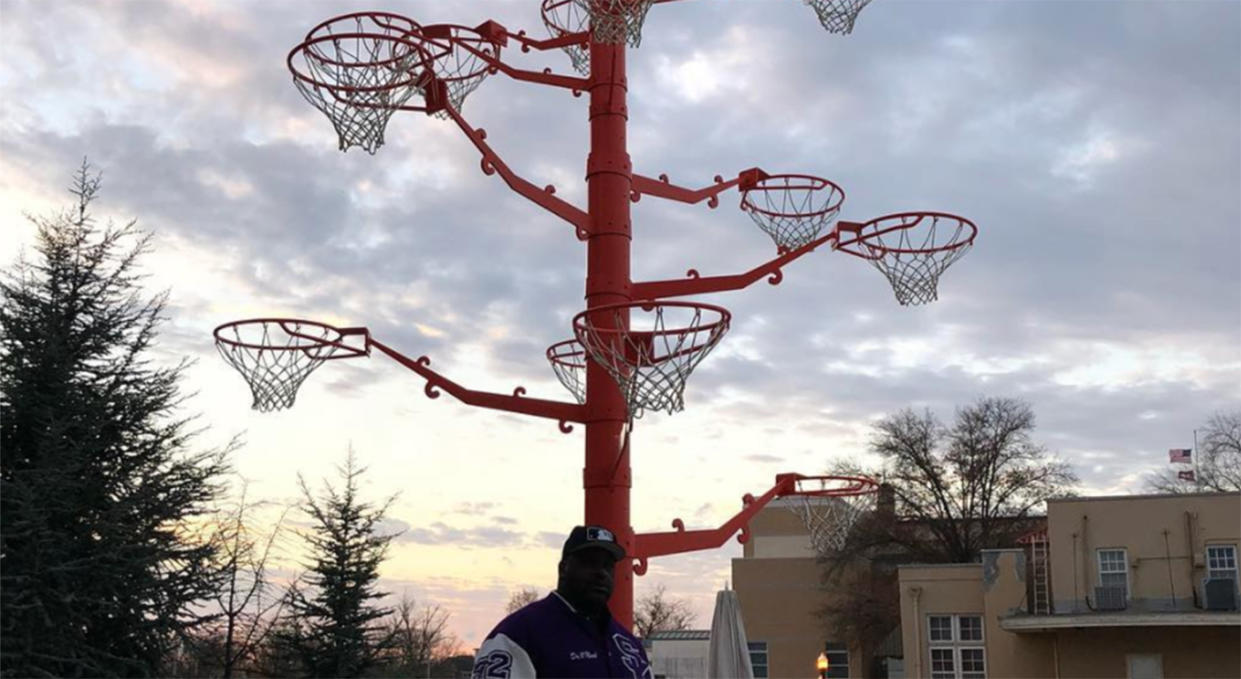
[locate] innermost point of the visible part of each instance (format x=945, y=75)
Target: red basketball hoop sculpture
x=631, y=349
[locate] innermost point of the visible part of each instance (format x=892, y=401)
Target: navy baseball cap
x=586, y=537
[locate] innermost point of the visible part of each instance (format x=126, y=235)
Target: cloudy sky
x=1096, y=145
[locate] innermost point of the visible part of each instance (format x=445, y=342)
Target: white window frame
x=834, y=665
x=753, y=647
x=955, y=645
x=1124, y=558
x=956, y=627
x=961, y=661
x=952, y=629
x=952, y=658
x=1222, y=546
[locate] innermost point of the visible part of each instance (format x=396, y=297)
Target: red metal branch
x=696, y=284
x=544, y=197
x=647, y=545
x=514, y=403
x=544, y=77
x=662, y=188
x=527, y=43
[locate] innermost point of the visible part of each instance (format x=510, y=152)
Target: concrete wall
x=776, y=532
x=1164, y=537
x=779, y=602
x=779, y=586
x=992, y=590
x=950, y=589
x=1187, y=652
x=1004, y=594
x=680, y=658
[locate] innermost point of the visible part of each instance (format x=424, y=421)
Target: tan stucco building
x=1129, y=586
x=778, y=584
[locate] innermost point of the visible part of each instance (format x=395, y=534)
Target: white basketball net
x=792, y=210
x=461, y=69
x=565, y=17
x=616, y=21
x=651, y=365
x=837, y=16
x=904, y=260
x=568, y=361
x=275, y=357
x=359, y=81
x=829, y=519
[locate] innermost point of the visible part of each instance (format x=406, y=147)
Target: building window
x=758, y=658
x=837, y=660
x=1222, y=562
x=941, y=628
x=941, y=664
x=955, y=650
x=971, y=627
x=973, y=664
x=1114, y=569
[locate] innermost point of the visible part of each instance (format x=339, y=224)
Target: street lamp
x=821, y=665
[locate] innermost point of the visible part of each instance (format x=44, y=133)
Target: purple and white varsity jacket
x=548, y=638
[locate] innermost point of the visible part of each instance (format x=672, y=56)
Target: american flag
x=1180, y=455
x=1185, y=476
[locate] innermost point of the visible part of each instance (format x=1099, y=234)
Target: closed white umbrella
x=729, y=656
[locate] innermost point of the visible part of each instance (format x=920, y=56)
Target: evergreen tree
x=100, y=563
x=338, y=628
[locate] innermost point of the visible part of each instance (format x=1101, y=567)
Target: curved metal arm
x=515, y=403
x=500, y=35
x=647, y=545
x=662, y=188
x=543, y=197
x=528, y=43
x=696, y=285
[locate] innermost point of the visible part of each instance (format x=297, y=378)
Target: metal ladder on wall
x=1040, y=567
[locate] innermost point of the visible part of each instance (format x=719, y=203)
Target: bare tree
x=964, y=488
x=249, y=602
x=1219, y=459
x=657, y=611
x=521, y=598
x=420, y=638
x=864, y=607
x=956, y=490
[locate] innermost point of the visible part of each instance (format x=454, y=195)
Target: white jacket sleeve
x=502, y=658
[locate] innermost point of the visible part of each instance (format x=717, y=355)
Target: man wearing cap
x=571, y=633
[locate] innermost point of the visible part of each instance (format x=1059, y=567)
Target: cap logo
x=594, y=533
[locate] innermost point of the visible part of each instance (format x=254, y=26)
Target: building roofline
x=971, y=564
x=680, y=635
x=1046, y=623
x=1148, y=496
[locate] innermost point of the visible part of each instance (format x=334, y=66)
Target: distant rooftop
x=680, y=635
x=1150, y=496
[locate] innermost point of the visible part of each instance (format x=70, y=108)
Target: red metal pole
x=609, y=176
